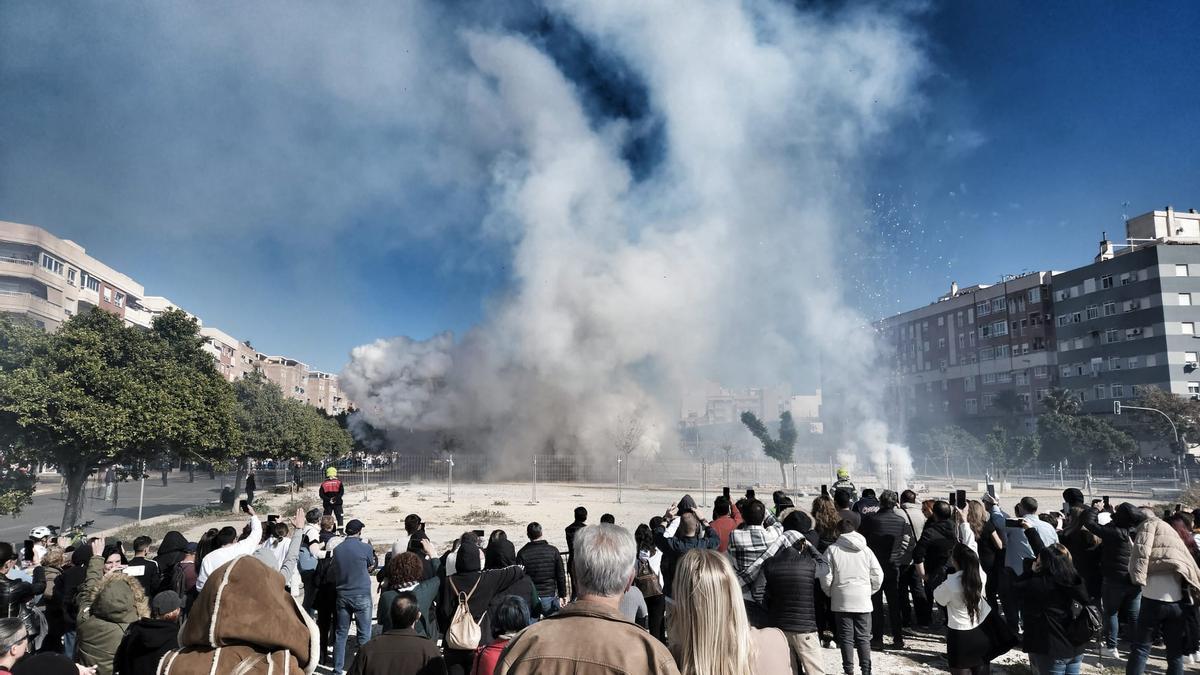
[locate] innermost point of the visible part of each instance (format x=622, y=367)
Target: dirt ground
x=509, y=506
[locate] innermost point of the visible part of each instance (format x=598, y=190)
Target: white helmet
x=39, y=533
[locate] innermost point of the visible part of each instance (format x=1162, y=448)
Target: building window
x=1076, y=317
x=1114, y=363
x=983, y=309
x=108, y=295
x=1062, y=320
x=71, y=277
x=1101, y=391
x=1093, y=312
x=1041, y=372
x=1132, y=362
x=1004, y=378
x=1185, y=299
x=1118, y=390
x=997, y=304
x=1000, y=328
x=91, y=282
x=1151, y=360
x=1034, y=294
x=1002, y=352
x=1111, y=336
x=962, y=341
x=120, y=299
x=1188, y=328
x=972, y=406
x=51, y=263
x=1110, y=308
x=1066, y=371
x=1106, y=281
x=987, y=401
x=941, y=321
x=969, y=383
x=1042, y=394
x=1023, y=378
x=1194, y=388
x=1064, y=346
x=989, y=378
x=941, y=343
x=1181, y=270
x=1078, y=343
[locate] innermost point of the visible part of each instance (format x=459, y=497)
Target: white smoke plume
x=725, y=257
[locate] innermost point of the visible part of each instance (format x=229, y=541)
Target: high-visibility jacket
x=331, y=491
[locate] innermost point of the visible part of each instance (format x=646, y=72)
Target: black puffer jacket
x=1047, y=608
x=1117, y=544
x=544, y=567
x=937, y=542
x=888, y=535
x=15, y=595
x=789, y=598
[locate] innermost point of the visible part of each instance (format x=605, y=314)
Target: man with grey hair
x=590, y=636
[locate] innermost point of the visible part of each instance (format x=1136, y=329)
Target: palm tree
x=1061, y=402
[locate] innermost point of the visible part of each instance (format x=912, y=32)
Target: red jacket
x=331, y=491
x=487, y=657
x=724, y=525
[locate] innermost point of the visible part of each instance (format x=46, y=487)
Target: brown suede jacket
x=585, y=638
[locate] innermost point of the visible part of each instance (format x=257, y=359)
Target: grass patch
x=394, y=494
x=499, y=502
x=392, y=509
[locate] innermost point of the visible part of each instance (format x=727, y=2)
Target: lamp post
x=1117, y=407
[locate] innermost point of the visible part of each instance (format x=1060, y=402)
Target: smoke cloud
x=716, y=248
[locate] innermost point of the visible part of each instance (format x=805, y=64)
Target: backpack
x=1084, y=624
x=464, y=632
x=306, y=561
x=646, y=580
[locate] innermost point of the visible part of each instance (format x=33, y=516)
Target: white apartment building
x=48, y=280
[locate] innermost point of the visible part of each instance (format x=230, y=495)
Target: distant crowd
x=750, y=586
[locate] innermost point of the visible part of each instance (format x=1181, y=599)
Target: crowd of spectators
x=745, y=588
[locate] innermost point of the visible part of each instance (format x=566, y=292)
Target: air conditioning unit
x=1136, y=331
x=1135, y=304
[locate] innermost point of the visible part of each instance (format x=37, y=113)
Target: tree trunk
x=238, y=477
x=783, y=474
x=75, y=476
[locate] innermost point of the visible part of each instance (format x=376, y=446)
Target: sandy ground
x=509, y=506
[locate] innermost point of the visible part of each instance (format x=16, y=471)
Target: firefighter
x=331, y=493
x=844, y=483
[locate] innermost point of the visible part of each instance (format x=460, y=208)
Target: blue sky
x=215, y=164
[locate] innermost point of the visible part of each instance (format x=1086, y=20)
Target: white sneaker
x=1112, y=653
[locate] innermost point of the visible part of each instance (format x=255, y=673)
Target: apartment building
x=233, y=358
x=1128, y=320
x=47, y=280
x=714, y=404
x=953, y=357
x=322, y=391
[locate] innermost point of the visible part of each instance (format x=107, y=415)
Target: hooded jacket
x=499, y=554
x=1157, y=549
x=467, y=575
x=144, y=645
x=170, y=553
x=854, y=574
x=69, y=582
x=244, y=617
x=937, y=542
x=107, y=606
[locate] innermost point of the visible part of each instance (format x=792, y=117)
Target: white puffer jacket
x=854, y=574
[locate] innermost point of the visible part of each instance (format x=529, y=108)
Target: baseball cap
x=165, y=602
x=354, y=526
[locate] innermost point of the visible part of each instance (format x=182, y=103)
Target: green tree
x=18, y=340
x=1061, y=401
x=1010, y=450
x=98, y=392
x=946, y=442
x=779, y=449
x=1184, y=412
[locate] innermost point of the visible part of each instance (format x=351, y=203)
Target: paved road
x=178, y=496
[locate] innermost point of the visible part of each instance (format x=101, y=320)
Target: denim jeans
x=854, y=634
x=550, y=606
x=1157, y=614
x=358, y=606
x=69, y=644
x=1045, y=664
x=1117, y=597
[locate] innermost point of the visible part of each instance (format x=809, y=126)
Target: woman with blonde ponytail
x=709, y=633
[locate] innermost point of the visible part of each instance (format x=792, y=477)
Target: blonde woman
x=709, y=632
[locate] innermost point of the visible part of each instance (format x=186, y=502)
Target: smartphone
x=134, y=570
x=961, y=497
x=244, y=506
x=725, y=491
x=271, y=517
x=480, y=533
x=953, y=498
x=28, y=549
x=1009, y=522
x=1178, y=508
x=1105, y=498
x=991, y=490
x=749, y=493
x=824, y=490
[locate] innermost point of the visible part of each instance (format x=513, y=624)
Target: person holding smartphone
x=1017, y=550
x=228, y=546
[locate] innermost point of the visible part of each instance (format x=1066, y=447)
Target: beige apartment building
x=48, y=280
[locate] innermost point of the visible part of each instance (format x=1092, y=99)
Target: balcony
x=138, y=317
x=19, y=302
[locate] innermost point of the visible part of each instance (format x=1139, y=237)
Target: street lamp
x=1178, y=447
